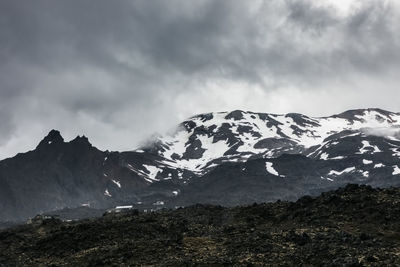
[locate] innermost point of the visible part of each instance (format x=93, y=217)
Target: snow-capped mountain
x=227, y=158
x=208, y=140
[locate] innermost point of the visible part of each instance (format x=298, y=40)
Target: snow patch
x=116, y=182
x=347, y=170
x=366, y=162
x=366, y=145
x=329, y=179
x=152, y=171
x=324, y=156
x=338, y=157
x=396, y=152
x=396, y=170
x=141, y=173
x=271, y=170
x=106, y=193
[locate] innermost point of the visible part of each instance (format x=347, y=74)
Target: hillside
x=352, y=226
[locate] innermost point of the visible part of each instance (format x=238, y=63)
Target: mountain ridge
x=242, y=157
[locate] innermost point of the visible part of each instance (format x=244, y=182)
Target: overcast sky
x=119, y=71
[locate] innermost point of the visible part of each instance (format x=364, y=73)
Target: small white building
x=118, y=209
x=123, y=207
x=158, y=203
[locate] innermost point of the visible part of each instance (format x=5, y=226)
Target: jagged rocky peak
x=53, y=137
x=81, y=140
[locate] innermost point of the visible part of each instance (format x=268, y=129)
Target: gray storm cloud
x=383, y=131
x=118, y=71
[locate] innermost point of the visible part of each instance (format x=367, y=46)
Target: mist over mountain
x=223, y=158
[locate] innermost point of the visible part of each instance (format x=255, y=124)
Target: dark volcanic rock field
x=352, y=226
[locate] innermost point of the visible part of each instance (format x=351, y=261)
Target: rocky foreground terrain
x=352, y=226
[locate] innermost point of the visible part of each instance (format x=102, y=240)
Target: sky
x=119, y=71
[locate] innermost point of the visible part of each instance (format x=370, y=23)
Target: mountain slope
x=207, y=140
x=60, y=174
x=227, y=158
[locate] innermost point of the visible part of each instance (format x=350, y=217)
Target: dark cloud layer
x=120, y=70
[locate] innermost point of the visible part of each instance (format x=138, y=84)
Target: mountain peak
x=52, y=137
x=353, y=113
x=81, y=140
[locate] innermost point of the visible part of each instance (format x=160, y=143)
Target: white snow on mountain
x=116, y=182
x=106, y=193
x=152, y=171
x=338, y=157
x=366, y=162
x=271, y=170
x=347, y=170
x=367, y=148
x=146, y=175
x=205, y=141
x=396, y=170
x=324, y=156
x=379, y=165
